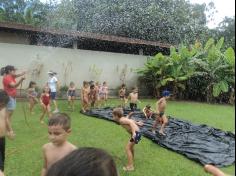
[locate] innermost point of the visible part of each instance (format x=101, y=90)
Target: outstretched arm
x=19, y=75
x=15, y=85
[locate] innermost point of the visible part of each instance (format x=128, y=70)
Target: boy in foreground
x=132, y=127
x=59, y=127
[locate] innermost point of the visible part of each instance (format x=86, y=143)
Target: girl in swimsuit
x=45, y=103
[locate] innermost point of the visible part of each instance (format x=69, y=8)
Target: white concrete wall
x=38, y=60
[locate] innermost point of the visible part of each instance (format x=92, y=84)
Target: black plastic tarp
x=200, y=143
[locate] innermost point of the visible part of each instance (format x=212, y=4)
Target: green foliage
x=24, y=154
x=207, y=66
x=64, y=88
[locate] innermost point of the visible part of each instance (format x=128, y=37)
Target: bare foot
x=128, y=168
x=162, y=133
x=154, y=131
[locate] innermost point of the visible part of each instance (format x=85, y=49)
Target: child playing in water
x=132, y=127
x=32, y=95
x=148, y=112
x=160, y=115
x=85, y=96
x=122, y=93
x=133, y=96
x=92, y=95
x=45, y=103
x=71, y=95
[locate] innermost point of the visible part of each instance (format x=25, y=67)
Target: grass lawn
x=24, y=156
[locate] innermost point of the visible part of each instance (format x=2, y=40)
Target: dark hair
x=7, y=69
x=60, y=119
x=92, y=86
x=118, y=112
x=72, y=83
x=4, y=98
x=148, y=106
x=85, y=161
x=31, y=84
x=123, y=85
x=85, y=83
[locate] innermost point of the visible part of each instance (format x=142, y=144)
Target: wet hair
x=148, y=106
x=85, y=83
x=118, y=112
x=92, y=86
x=72, y=83
x=48, y=88
x=7, y=69
x=60, y=119
x=4, y=98
x=31, y=84
x=134, y=88
x=85, y=161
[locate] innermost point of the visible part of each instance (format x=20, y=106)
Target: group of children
x=59, y=124
x=92, y=95
x=61, y=158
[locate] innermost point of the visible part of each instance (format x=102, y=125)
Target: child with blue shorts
x=132, y=127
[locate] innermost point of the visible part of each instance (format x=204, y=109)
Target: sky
x=224, y=8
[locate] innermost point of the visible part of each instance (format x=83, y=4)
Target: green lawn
x=24, y=157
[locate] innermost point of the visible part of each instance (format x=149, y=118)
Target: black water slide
x=200, y=143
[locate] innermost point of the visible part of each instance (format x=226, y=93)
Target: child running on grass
x=32, y=95
x=59, y=127
x=148, y=112
x=4, y=99
x=132, y=127
x=45, y=103
x=71, y=95
x=160, y=115
x=122, y=93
